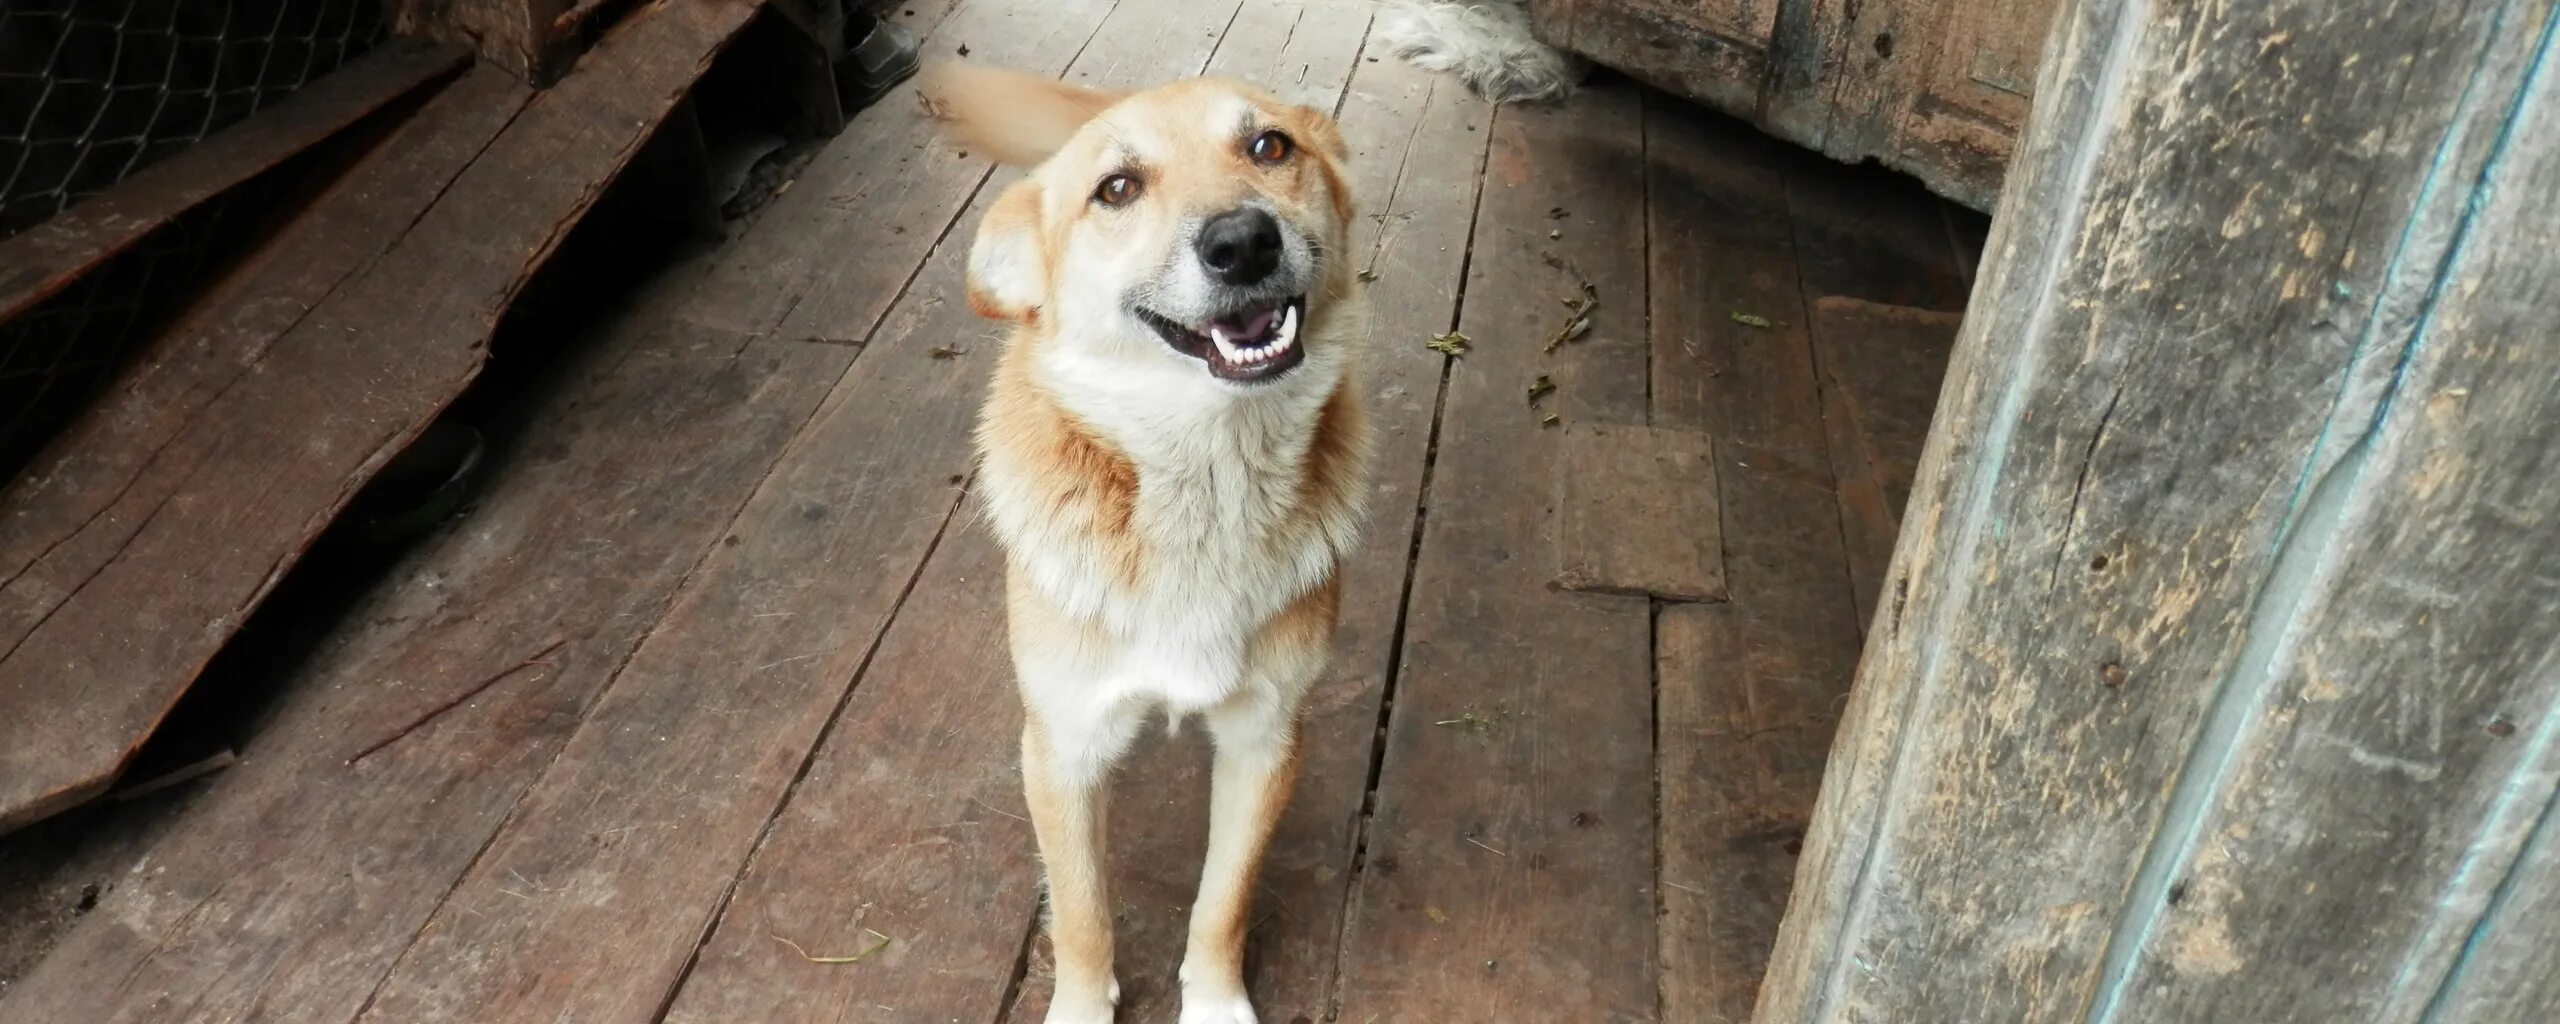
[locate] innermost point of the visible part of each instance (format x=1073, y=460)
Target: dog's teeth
x=1288, y=332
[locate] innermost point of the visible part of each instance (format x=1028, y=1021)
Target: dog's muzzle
x=1257, y=306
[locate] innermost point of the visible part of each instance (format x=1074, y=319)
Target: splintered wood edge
x=1602, y=456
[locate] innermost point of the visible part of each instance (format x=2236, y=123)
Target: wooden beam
x=2213, y=676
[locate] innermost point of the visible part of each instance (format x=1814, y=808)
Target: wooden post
x=2217, y=673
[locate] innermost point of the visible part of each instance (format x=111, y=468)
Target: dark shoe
x=879, y=56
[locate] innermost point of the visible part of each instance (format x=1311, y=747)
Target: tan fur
x=1011, y=117
x=1083, y=479
x=1172, y=541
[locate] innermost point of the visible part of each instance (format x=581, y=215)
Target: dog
x=1174, y=456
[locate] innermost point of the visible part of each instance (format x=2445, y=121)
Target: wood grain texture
x=1879, y=276
x=908, y=833
x=908, y=821
x=1418, y=142
x=1881, y=367
x=81, y=563
x=343, y=389
x=843, y=523
x=803, y=282
x=2168, y=426
x=1714, y=52
x=289, y=889
x=1910, y=89
x=1749, y=690
x=1506, y=876
x=47, y=257
x=1934, y=88
x=2377, y=809
x=1636, y=514
x=2512, y=974
x=637, y=829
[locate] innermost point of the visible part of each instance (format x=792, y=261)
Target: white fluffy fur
x=1486, y=43
x=1192, y=565
x=1221, y=467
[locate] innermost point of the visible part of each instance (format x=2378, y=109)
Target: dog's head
x=1200, y=222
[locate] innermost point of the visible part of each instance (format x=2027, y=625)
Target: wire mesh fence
x=90, y=90
x=93, y=90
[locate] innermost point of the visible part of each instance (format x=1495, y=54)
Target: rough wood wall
x=1937, y=89
x=2215, y=676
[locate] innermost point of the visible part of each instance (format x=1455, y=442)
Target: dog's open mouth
x=1256, y=343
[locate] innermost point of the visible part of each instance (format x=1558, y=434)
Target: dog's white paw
x=1088, y=1007
x=1202, y=1008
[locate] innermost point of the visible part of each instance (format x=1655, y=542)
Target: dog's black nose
x=1239, y=246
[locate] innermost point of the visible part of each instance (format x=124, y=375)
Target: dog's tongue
x=1248, y=329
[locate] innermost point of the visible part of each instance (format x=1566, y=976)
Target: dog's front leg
x=1068, y=791
x=1256, y=765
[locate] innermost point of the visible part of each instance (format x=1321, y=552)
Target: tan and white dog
x=1173, y=454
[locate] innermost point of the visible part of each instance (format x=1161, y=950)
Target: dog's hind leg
x=1256, y=765
x=1067, y=791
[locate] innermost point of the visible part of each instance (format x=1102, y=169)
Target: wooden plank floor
x=772, y=728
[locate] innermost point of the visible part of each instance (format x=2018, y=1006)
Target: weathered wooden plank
x=46, y=258
x=1636, y=514
x=1881, y=366
x=616, y=860
x=939, y=877
x=1505, y=876
x=842, y=201
x=296, y=880
x=2513, y=973
x=844, y=523
x=1418, y=142
x=293, y=882
x=1901, y=92
x=2183, y=333
x=1867, y=235
x=943, y=871
x=2365, y=830
x=80, y=698
x=1749, y=690
x=1682, y=47
x=95, y=628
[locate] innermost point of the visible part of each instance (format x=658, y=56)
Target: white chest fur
x=1224, y=539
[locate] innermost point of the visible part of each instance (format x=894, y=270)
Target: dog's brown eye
x=1268, y=148
x=1117, y=190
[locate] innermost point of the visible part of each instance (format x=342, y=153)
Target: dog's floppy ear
x=1317, y=132
x=1315, y=128
x=1008, y=268
x=1011, y=117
